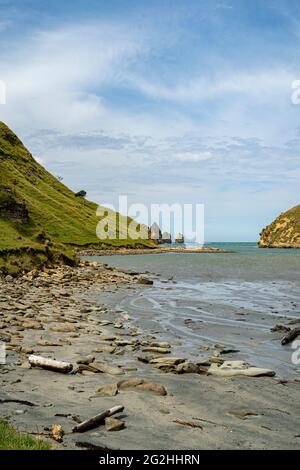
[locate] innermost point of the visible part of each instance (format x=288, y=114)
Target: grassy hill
x=284, y=232
x=42, y=220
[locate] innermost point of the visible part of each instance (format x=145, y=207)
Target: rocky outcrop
x=179, y=238
x=154, y=233
x=11, y=209
x=284, y=232
x=166, y=238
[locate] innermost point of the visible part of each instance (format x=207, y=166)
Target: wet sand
x=194, y=320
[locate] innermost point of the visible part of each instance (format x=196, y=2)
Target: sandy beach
x=68, y=314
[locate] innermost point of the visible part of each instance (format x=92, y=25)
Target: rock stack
x=179, y=238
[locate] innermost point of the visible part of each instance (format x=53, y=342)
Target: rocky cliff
x=40, y=217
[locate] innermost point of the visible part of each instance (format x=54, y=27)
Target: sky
x=166, y=101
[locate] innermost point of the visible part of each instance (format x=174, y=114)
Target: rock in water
x=166, y=238
x=179, y=238
x=187, y=367
x=145, y=281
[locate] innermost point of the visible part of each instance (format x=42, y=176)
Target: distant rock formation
x=166, y=238
x=284, y=232
x=179, y=238
x=155, y=233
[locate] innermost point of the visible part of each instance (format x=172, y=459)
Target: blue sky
x=166, y=101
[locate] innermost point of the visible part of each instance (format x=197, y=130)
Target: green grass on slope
x=12, y=440
x=54, y=212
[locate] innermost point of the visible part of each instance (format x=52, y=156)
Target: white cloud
x=177, y=148
x=257, y=83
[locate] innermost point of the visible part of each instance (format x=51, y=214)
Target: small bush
x=81, y=193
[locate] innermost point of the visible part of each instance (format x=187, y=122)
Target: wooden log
x=191, y=424
x=290, y=336
x=97, y=420
x=50, y=364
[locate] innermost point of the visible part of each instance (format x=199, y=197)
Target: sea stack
x=166, y=238
x=155, y=233
x=179, y=238
x=284, y=232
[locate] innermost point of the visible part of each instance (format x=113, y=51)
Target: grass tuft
x=10, y=439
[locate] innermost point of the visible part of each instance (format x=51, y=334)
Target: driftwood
x=97, y=420
x=290, y=336
x=50, y=364
x=190, y=424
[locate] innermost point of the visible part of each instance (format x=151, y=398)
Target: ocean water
x=232, y=298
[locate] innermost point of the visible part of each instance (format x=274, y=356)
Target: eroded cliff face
x=11, y=209
x=284, y=232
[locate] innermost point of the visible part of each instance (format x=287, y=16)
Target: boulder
x=104, y=368
x=161, y=362
x=86, y=359
x=179, y=238
x=64, y=328
x=187, y=367
x=156, y=350
x=235, y=368
x=140, y=384
x=108, y=390
x=57, y=432
x=145, y=281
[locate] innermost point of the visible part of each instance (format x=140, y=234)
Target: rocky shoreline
x=212, y=402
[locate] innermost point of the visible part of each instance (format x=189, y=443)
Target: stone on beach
x=145, y=281
x=64, y=328
x=86, y=359
x=187, y=367
x=107, y=349
x=156, y=350
x=161, y=362
x=104, y=368
x=32, y=325
x=140, y=384
x=108, y=390
x=124, y=342
x=44, y=342
x=114, y=424
x=105, y=337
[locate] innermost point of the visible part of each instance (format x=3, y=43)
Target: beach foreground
x=57, y=314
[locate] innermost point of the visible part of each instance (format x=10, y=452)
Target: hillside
x=40, y=218
x=284, y=232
